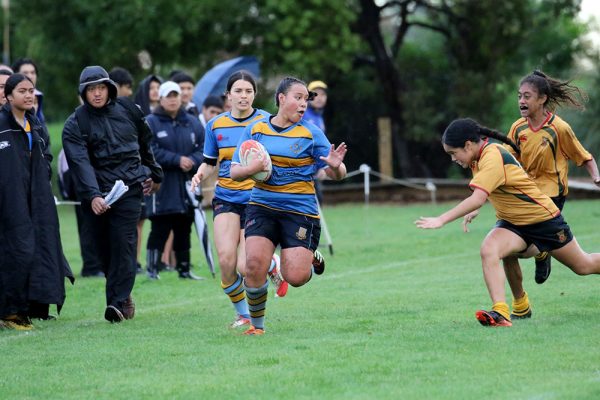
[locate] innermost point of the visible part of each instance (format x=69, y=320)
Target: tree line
x=420, y=63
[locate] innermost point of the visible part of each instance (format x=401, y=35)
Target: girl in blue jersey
x=229, y=204
x=283, y=209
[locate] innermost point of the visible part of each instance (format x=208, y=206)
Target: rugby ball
x=251, y=149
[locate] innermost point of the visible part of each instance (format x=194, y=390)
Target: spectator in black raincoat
x=107, y=139
x=32, y=263
x=178, y=143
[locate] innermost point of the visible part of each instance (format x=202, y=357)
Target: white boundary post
x=366, y=170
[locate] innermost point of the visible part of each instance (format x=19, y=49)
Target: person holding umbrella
x=283, y=209
x=177, y=143
x=231, y=197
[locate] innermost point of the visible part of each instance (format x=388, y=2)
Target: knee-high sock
x=236, y=294
x=257, y=302
x=502, y=309
x=521, y=306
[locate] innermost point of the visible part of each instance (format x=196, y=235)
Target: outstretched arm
x=471, y=203
x=592, y=169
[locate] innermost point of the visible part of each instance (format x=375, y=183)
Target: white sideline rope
x=363, y=169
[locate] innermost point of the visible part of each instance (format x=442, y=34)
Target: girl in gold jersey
x=546, y=144
x=528, y=220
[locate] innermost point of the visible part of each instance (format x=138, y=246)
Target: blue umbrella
x=214, y=82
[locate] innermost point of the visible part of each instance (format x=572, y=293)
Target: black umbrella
x=201, y=227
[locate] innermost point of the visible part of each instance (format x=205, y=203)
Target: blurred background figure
x=124, y=81
x=212, y=106
x=314, y=114
x=4, y=74
x=316, y=107
x=91, y=262
x=146, y=96
x=186, y=84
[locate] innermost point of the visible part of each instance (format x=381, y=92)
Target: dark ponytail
x=285, y=85
x=465, y=130
x=557, y=92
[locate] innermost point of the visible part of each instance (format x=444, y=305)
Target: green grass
x=391, y=318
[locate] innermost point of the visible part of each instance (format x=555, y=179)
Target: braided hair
x=557, y=92
x=466, y=129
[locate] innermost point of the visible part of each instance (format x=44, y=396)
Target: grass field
x=391, y=318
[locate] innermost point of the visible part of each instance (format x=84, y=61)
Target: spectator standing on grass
x=107, y=139
x=528, y=220
x=177, y=143
x=32, y=263
x=27, y=67
x=283, y=209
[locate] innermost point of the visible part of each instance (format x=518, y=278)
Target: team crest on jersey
x=295, y=148
x=4, y=144
x=301, y=234
x=562, y=236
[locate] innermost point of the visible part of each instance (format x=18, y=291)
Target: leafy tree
x=188, y=34
x=485, y=46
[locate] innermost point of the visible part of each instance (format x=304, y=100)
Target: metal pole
x=324, y=228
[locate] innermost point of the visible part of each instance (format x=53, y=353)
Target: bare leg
x=227, y=240
x=498, y=244
x=514, y=275
x=577, y=260
x=296, y=265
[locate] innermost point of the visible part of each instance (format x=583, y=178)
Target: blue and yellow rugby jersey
x=514, y=195
x=546, y=151
x=222, y=134
x=295, y=153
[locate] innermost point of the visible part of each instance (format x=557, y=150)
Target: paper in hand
x=116, y=192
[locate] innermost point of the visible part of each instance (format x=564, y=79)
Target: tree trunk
x=368, y=26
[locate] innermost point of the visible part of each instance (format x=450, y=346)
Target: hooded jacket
x=32, y=264
x=173, y=138
x=142, y=95
x=113, y=149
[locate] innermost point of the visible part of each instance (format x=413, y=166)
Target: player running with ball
x=231, y=197
x=283, y=209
